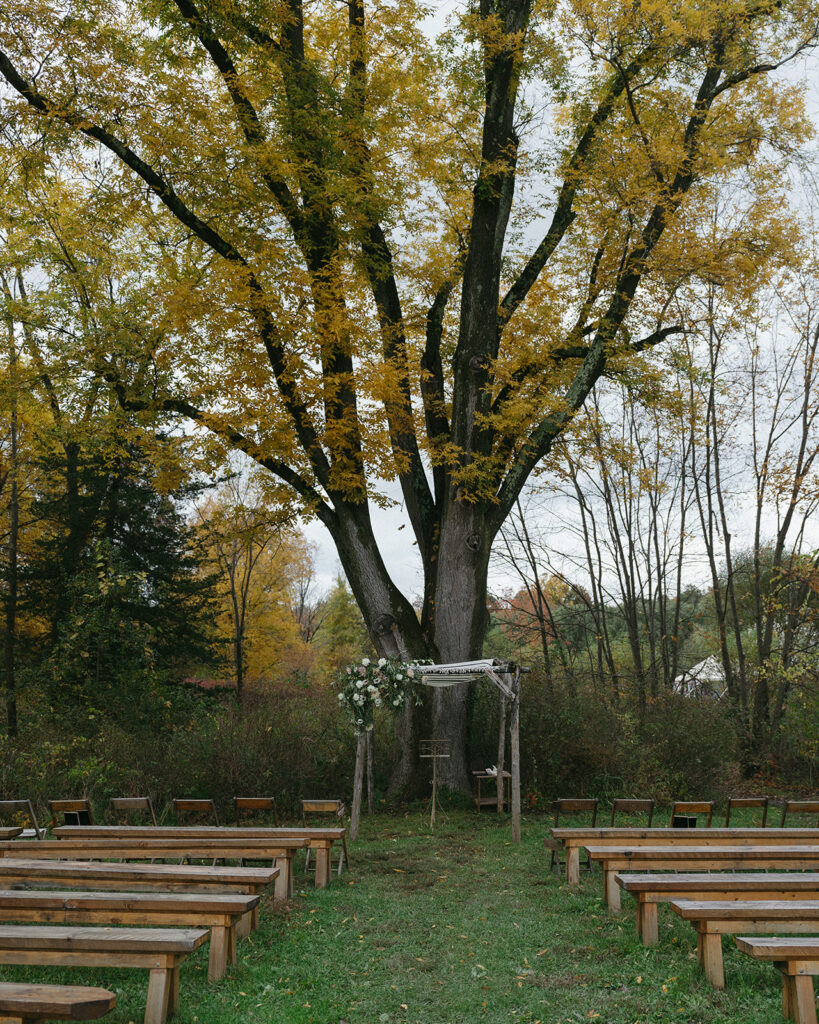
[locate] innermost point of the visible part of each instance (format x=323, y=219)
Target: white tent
x=705, y=679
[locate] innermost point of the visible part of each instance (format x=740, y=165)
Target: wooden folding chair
x=740, y=802
x=799, y=807
x=196, y=808
x=335, y=807
x=574, y=807
x=689, y=808
x=18, y=807
x=74, y=812
x=628, y=806
x=245, y=805
x=122, y=807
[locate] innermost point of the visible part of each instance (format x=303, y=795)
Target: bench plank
x=47, y=1002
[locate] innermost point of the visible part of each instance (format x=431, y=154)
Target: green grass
x=462, y=926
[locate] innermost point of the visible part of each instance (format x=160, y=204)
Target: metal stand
x=435, y=750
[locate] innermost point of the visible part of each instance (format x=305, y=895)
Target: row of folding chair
x=126, y=809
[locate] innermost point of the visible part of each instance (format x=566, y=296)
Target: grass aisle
x=458, y=927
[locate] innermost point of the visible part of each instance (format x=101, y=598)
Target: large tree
x=379, y=255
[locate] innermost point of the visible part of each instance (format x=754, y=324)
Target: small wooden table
x=319, y=840
x=21, y=1004
x=696, y=858
x=652, y=889
x=492, y=799
x=575, y=839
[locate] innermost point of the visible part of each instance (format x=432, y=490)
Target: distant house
x=705, y=679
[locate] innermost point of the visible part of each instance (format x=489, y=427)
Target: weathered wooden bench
x=695, y=858
x=714, y=918
x=320, y=840
x=219, y=912
x=652, y=889
x=10, y=832
x=280, y=850
x=157, y=950
x=82, y=874
x=797, y=960
x=21, y=1004
x=575, y=838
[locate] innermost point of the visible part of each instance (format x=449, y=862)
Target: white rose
x=341, y=696
x=382, y=662
x=359, y=683
x=365, y=662
x=396, y=702
x=399, y=676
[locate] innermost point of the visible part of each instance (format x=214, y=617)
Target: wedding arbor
x=377, y=684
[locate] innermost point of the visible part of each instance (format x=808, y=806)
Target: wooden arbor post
x=514, y=730
x=358, y=784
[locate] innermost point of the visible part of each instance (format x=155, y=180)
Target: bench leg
x=231, y=945
x=322, y=867
x=572, y=865
x=802, y=999
x=709, y=953
x=217, y=959
x=244, y=925
x=156, y=1006
x=647, y=923
x=173, y=990
x=787, y=996
x=611, y=890
x=283, y=888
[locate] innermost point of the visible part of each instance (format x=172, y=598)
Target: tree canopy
x=359, y=251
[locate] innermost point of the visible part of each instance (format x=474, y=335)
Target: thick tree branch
x=245, y=112
x=164, y=191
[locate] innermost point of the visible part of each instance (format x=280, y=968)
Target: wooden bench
x=714, y=918
x=9, y=832
x=616, y=859
x=320, y=840
x=652, y=889
x=797, y=960
x=157, y=950
x=82, y=874
x=278, y=850
x=21, y=1004
x=221, y=913
x=575, y=838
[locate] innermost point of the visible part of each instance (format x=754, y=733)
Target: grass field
x=462, y=926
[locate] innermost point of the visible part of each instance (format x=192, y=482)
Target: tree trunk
x=11, y=596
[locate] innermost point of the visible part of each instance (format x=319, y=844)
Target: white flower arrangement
x=371, y=685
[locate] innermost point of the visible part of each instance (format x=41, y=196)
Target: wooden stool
x=20, y=1004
